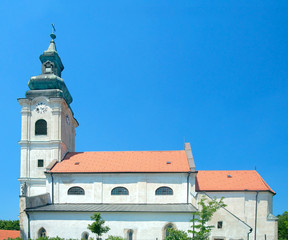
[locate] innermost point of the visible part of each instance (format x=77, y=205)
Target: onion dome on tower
x=49, y=83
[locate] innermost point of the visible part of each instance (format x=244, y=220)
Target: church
x=140, y=194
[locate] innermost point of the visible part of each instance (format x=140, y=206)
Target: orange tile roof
x=5, y=234
x=231, y=181
x=130, y=161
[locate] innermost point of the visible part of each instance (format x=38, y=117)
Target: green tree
x=200, y=229
x=97, y=226
x=283, y=226
x=9, y=225
x=177, y=235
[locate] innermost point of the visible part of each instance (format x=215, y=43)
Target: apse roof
x=245, y=180
x=128, y=161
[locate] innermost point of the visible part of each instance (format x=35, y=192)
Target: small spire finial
x=52, y=35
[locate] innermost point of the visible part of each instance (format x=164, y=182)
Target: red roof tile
x=5, y=234
x=231, y=181
x=132, y=161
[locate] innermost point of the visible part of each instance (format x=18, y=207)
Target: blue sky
x=151, y=75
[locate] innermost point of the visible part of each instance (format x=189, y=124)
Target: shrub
x=177, y=235
x=115, y=238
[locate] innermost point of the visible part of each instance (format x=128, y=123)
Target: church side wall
x=72, y=225
x=141, y=188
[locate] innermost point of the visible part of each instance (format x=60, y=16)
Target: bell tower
x=47, y=123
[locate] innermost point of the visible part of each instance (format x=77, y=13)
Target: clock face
x=41, y=108
x=67, y=119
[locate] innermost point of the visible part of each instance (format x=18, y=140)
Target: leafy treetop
x=9, y=225
x=97, y=226
x=175, y=234
x=283, y=226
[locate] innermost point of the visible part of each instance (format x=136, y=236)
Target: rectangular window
x=40, y=162
x=219, y=224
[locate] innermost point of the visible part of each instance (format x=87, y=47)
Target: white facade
x=141, y=188
x=44, y=193
x=241, y=211
x=141, y=225
x=59, y=140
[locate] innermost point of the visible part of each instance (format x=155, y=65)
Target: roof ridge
x=129, y=151
x=226, y=170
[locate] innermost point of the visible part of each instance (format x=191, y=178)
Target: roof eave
x=118, y=172
x=243, y=190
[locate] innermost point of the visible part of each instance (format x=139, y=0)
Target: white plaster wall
x=243, y=205
x=264, y=226
x=232, y=228
x=34, y=147
x=40, y=152
x=59, y=139
x=72, y=225
x=150, y=225
x=36, y=189
x=141, y=188
x=58, y=130
x=178, y=182
x=235, y=202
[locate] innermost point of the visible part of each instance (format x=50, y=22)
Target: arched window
x=42, y=232
x=119, y=191
x=130, y=234
x=164, y=191
x=41, y=127
x=76, y=191
x=166, y=229
x=85, y=236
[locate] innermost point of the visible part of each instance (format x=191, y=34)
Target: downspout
x=48, y=171
x=188, y=187
x=194, y=226
x=52, y=191
x=256, y=206
x=28, y=225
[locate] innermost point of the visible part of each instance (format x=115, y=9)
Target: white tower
x=48, y=124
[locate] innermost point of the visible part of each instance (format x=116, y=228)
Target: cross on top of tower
x=53, y=28
x=52, y=35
